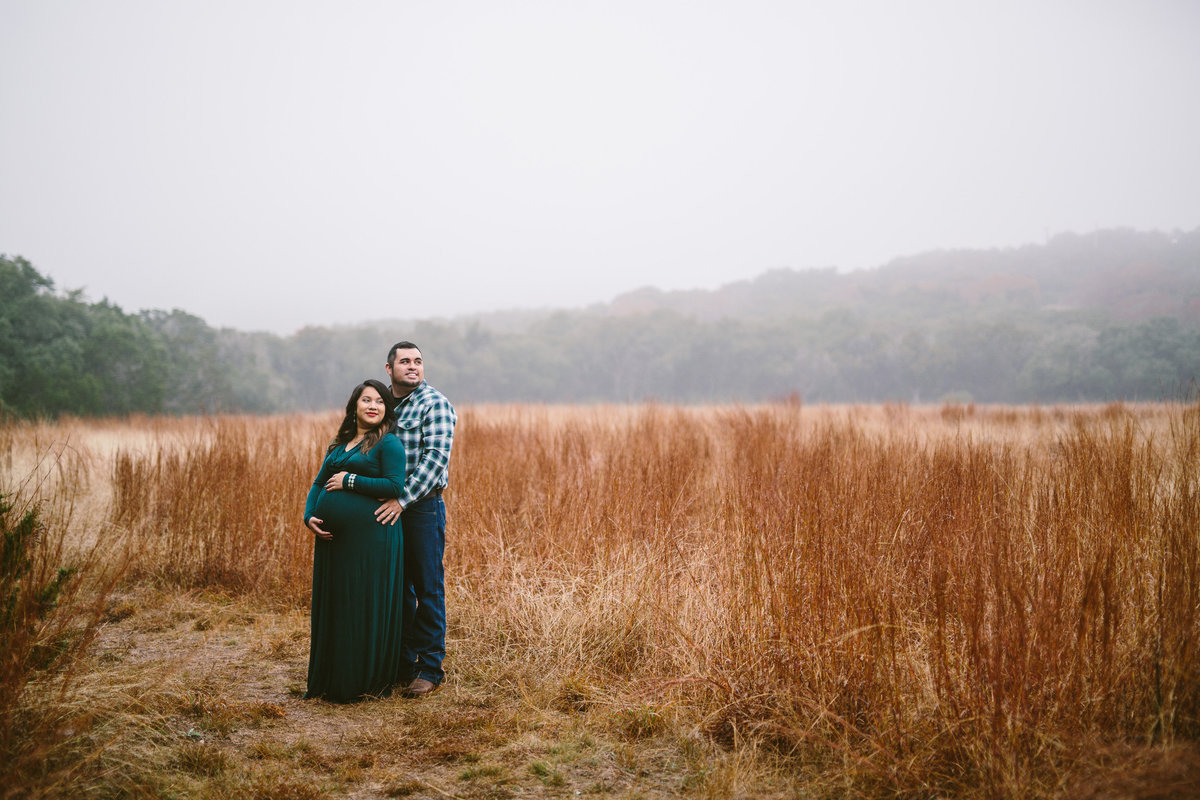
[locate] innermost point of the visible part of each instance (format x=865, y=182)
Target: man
x=425, y=424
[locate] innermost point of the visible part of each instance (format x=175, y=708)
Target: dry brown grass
x=899, y=601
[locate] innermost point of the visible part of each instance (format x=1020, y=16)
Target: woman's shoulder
x=390, y=443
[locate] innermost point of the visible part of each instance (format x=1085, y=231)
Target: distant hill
x=1128, y=275
x=1111, y=315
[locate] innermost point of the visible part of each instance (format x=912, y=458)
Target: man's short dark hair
x=400, y=346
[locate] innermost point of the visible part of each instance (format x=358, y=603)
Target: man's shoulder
x=426, y=400
x=431, y=396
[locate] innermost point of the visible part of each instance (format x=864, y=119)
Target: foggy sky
x=267, y=165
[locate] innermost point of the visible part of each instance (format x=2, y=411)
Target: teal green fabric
x=358, y=577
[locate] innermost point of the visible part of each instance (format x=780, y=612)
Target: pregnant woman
x=358, y=564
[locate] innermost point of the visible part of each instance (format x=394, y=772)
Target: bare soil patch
x=212, y=707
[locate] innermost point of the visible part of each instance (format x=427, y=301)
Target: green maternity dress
x=358, y=577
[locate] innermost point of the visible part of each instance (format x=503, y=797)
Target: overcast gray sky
x=267, y=165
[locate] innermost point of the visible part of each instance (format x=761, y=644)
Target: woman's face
x=370, y=408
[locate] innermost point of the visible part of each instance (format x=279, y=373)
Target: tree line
x=63, y=354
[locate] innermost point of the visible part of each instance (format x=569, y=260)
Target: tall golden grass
x=55, y=576
x=904, y=601
x=220, y=504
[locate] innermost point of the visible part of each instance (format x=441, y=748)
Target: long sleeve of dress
x=389, y=455
x=314, y=491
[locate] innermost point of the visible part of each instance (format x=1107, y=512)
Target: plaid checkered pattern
x=425, y=424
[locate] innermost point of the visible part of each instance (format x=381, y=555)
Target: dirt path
x=218, y=686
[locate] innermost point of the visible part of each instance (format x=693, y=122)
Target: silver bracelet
x=350, y=481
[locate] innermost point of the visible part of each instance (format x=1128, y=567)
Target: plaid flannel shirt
x=425, y=424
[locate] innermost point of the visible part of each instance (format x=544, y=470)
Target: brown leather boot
x=419, y=688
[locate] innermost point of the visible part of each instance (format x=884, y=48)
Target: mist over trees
x=1112, y=315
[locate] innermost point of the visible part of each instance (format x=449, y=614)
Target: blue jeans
x=423, y=635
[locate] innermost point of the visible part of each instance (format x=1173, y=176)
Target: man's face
x=407, y=370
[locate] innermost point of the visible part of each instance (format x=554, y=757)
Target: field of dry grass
x=651, y=601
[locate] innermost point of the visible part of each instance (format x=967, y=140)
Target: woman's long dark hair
x=349, y=426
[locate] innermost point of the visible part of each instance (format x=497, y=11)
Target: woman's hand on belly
x=314, y=525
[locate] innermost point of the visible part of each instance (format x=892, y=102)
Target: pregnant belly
x=344, y=511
